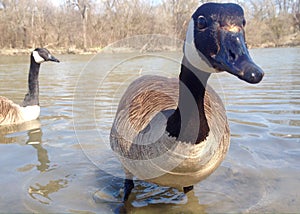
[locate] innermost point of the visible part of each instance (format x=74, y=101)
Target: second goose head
x=41, y=55
x=215, y=42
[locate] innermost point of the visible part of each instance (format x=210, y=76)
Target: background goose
x=175, y=132
x=11, y=113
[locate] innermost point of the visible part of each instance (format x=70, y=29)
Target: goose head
x=40, y=55
x=215, y=42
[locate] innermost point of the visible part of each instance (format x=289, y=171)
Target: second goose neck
x=189, y=123
x=32, y=97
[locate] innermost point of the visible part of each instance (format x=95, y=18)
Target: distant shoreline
x=77, y=51
x=26, y=51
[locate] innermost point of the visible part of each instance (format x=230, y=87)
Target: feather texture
x=11, y=113
x=139, y=139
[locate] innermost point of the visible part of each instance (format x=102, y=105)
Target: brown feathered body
x=11, y=113
x=140, y=140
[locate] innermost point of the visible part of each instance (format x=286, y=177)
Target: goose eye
x=201, y=22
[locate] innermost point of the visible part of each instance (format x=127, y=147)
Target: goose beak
x=52, y=58
x=233, y=57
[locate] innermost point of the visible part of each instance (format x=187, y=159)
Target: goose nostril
x=232, y=55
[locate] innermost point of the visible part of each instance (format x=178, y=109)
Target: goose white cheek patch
x=37, y=57
x=192, y=54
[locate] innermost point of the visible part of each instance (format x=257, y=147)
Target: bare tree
x=82, y=6
x=87, y=24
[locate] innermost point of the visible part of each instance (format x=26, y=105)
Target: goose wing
x=143, y=99
x=216, y=115
x=9, y=111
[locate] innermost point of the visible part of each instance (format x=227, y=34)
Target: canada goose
x=175, y=132
x=11, y=113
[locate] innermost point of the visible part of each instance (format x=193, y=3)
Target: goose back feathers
x=11, y=113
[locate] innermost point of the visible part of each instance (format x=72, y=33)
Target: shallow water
x=63, y=162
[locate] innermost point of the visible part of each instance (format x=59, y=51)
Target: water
x=63, y=163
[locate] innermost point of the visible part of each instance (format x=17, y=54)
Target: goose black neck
x=32, y=97
x=188, y=123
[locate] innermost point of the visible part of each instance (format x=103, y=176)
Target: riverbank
x=288, y=41
x=76, y=51
x=291, y=40
x=26, y=51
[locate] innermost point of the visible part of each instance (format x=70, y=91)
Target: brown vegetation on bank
x=79, y=26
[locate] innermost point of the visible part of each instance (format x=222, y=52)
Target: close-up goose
x=11, y=113
x=174, y=132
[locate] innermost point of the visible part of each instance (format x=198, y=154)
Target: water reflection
x=209, y=196
x=145, y=197
x=35, y=139
x=165, y=202
x=11, y=133
x=42, y=193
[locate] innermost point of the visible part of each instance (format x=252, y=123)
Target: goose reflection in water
x=38, y=191
x=10, y=134
x=41, y=192
x=35, y=139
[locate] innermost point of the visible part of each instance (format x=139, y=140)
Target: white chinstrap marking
x=37, y=57
x=192, y=54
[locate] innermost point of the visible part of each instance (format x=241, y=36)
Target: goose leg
x=187, y=189
x=128, y=186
